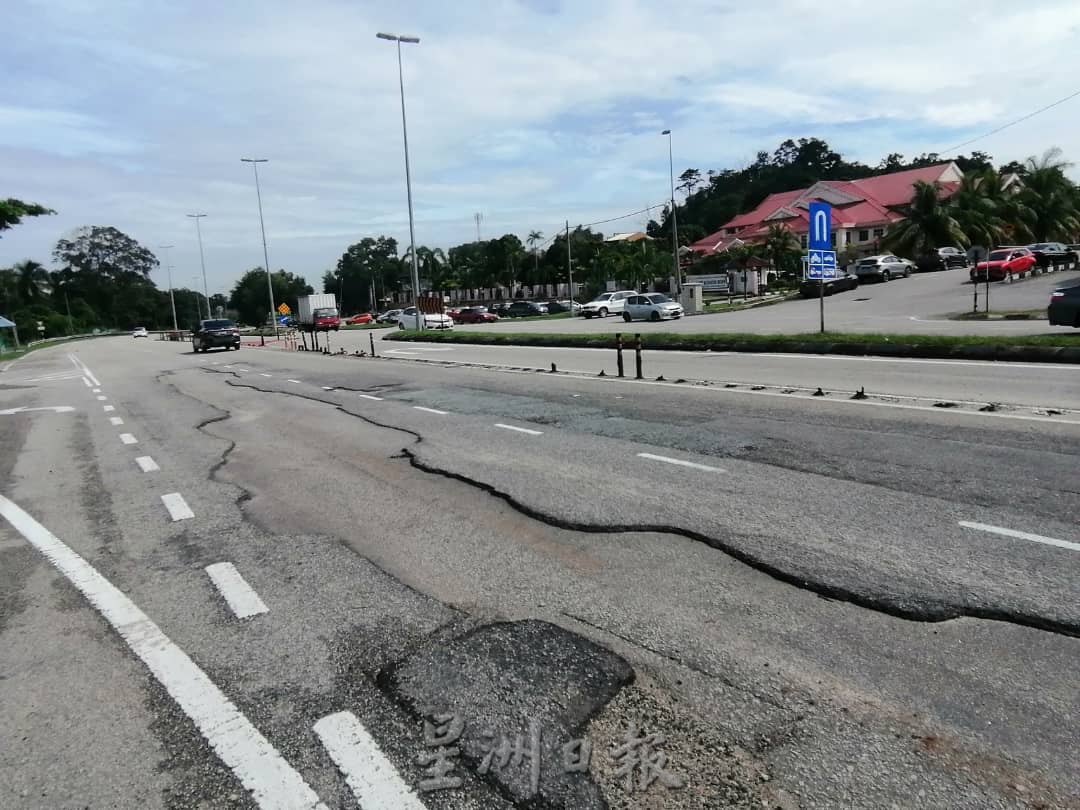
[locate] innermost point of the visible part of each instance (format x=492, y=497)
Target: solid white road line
x=692, y=464
x=430, y=410
x=109, y=408
x=369, y=396
x=240, y=596
x=1034, y=538
x=127, y=438
x=177, y=506
x=84, y=369
x=101, y=398
x=520, y=429
x=147, y=464
x=273, y=783
x=373, y=778
x=115, y=421
x=297, y=382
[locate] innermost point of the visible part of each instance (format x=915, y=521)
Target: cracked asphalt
x=783, y=602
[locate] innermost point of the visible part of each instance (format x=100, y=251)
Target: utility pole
x=262, y=226
x=202, y=260
x=168, y=269
x=478, y=217
x=674, y=219
x=570, y=268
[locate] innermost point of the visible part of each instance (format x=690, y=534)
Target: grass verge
x=9, y=354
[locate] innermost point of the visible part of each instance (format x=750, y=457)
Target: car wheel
x=885, y=275
x=655, y=316
x=907, y=272
x=626, y=317
x=603, y=312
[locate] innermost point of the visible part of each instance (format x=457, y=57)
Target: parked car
x=362, y=318
x=943, y=258
x=1051, y=254
x=563, y=306
x=810, y=288
x=139, y=331
x=1004, y=265
x=1064, y=309
x=609, y=303
x=500, y=309
x=215, y=334
x=474, y=315
x=407, y=320
x=390, y=316
x=884, y=267
x=651, y=307
x=525, y=309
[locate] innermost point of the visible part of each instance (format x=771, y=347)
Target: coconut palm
x=929, y=224
x=1052, y=197
x=532, y=240
x=781, y=247
x=977, y=209
x=33, y=281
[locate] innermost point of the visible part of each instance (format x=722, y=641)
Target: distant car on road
x=943, y=258
x=651, y=307
x=1051, y=254
x=1064, y=309
x=811, y=288
x=609, y=303
x=139, y=331
x=1004, y=265
x=215, y=334
x=884, y=267
x=525, y=309
x=390, y=316
x=407, y=320
x=474, y=315
x=362, y=318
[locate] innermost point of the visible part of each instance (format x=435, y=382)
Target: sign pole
x=821, y=303
x=821, y=250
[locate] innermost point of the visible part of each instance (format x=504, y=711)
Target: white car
x=407, y=320
x=139, y=331
x=651, y=307
x=610, y=303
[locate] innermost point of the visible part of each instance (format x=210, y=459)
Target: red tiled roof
x=895, y=188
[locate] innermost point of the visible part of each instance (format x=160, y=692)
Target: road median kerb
x=1029, y=349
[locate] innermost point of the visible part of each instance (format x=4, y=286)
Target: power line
x=557, y=232
x=1011, y=123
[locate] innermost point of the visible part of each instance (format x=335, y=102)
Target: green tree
x=251, y=301
x=13, y=211
x=929, y=224
x=1051, y=197
x=532, y=240
x=369, y=262
x=33, y=281
x=782, y=248
x=976, y=209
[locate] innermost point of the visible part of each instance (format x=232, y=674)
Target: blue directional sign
x=820, y=226
x=821, y=264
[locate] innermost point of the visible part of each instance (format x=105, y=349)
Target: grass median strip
x=1058, y=348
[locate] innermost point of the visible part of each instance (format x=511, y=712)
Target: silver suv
x=884, y=267
x=609, y=303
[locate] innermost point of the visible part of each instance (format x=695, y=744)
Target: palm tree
x=929, y=224
x=780, y=246
x=33, y=281
x=532, y=240
x=1051, y=196
x=977, y=209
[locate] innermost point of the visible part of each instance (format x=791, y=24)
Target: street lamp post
x=674, y=220
x=198, y=304
x=262, y=226
x=202, y=261
x=408, y=178
x=168, y=269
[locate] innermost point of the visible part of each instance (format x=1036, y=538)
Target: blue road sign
x=820, y=226
x=821, y=264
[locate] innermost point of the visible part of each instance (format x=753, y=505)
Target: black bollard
x=637, y=355
x=371, y=337
x=618, y=349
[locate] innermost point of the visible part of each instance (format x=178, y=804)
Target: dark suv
x=943, y=258
x=1064, y=309
x=1051, y=254
x=215, y=334
x=525, y=309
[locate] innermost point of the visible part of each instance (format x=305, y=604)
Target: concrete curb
x=898, y=349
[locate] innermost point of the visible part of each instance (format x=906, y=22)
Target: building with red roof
x=861, y=209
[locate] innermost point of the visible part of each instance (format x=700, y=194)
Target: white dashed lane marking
x=273, y=783
x=264, y=374
x=127, y=438
x=101, y=397
x=519, y=429
x=369, y=396
x=241, y=597
x=430, y=410
x=109, y=408
x=297, y=382
x=679, y=462
x=177, y=506
x=115, y=421
x=147, y=464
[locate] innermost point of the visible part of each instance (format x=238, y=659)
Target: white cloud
x=135, y=113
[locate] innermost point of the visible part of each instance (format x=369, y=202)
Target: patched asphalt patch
x=503, y=681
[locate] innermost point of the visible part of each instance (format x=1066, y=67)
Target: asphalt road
x=916, y=305
x=813, y=601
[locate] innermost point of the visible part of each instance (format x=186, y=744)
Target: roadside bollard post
x=637, y=355
x=618, y=349
x=262, y=339
x=371, y=337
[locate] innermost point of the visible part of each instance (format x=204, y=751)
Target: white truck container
x=318, y=312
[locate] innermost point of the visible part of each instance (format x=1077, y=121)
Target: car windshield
x=869, y=261
x=326, y=312
x=603, y=298
x=999, y=255
x=1042, y=246
x=215, y=325
x=658, y=298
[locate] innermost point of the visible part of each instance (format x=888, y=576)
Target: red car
x=474, y=315
x=1004, y=265
x=363, y=317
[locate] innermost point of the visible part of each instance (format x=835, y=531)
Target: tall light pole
x=262, y=226
x=168, y=269
x=674, y=221
x=408, y=178
x=198, y=304
x=202, y=261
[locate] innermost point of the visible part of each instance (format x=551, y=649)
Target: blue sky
x=133, y=113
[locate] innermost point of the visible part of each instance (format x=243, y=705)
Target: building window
x=864, y=235
x=803, y=240
x=879, y=232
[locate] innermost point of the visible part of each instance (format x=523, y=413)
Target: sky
x=134, y=113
